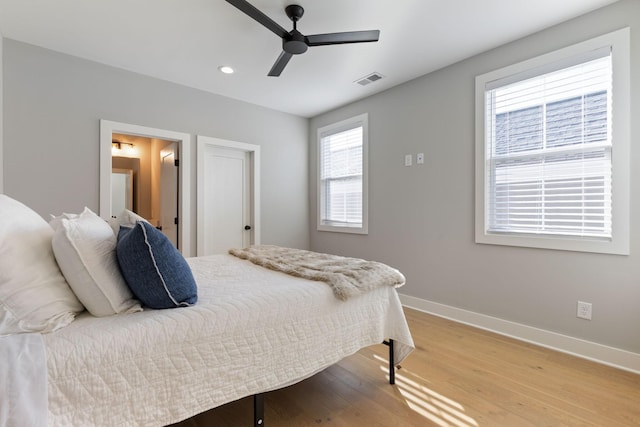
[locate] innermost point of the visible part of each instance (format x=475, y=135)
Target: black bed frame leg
x=258, y=410
x=392, y=363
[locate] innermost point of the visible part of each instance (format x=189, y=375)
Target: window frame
x=619, y=43
x=361, y=120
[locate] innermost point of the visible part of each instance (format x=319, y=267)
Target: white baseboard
x=611, y=356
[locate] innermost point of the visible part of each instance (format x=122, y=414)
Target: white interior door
x=169, y=193
x=226, y=200
x=227, y=190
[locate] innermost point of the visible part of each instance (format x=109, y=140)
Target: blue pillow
x=156, y=272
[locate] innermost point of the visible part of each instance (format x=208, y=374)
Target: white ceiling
x=185, y=41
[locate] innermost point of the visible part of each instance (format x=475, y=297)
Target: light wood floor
x=458, y=376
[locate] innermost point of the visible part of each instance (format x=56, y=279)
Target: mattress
x=252, y=330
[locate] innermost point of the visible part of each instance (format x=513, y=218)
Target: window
x=552, y=150
x=342, y=176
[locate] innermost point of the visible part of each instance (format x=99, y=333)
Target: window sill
x=343, y=229
x=615, y=246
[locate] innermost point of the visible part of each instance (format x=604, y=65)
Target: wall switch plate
x=420, y=158
x=584, y=310
x=408, y=159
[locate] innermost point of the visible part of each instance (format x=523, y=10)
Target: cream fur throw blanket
x=346, y=276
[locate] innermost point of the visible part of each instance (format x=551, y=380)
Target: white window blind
x=548, y=152
x=341, y=178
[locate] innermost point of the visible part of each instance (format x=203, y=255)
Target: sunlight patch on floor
x=428, y=403
x=429, y=406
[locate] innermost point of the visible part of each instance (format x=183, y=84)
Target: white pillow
x=55, y=221
x=34, y=296
x=84, y=246
x=126, y=218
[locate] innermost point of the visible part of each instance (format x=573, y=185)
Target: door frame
x=254, y=163
x=107, y=129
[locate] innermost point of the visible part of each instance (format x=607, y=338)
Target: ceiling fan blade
x=281, y=62
x=342, y=38
x=263, y=19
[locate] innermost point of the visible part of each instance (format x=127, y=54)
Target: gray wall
x=1, y=116
x=52, y=107
x=422, y=217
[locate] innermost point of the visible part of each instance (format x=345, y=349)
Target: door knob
x=247, y=227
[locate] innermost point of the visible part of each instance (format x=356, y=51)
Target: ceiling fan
x=294, y=42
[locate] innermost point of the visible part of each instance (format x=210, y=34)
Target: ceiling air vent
x=369, y=79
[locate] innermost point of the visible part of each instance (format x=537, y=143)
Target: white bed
x=253, y=330
x=76, y=349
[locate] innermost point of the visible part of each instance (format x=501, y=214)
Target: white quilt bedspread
x=252, y=330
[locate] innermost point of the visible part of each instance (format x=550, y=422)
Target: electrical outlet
x=584, y=310
x=408, y=159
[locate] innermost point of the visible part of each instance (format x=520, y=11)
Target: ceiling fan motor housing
x=295, y=44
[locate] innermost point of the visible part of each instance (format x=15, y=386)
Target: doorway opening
x=159, y=190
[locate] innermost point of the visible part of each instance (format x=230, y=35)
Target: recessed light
x=226, y=69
